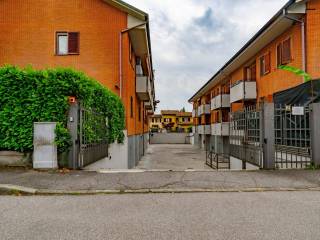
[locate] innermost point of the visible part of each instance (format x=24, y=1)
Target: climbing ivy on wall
x=29, y=95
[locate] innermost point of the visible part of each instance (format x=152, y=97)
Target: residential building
x=252, y=77
x=172, y=121
x=109, y=40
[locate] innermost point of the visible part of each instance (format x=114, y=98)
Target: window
x=67, y=43
x=250, y=73
x=265, y=64
x=284, y=52
x=139, y=115
x=279, y=54
x=131, y=107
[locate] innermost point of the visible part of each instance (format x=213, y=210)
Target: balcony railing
x=220, y=101
x=149, y=105
x=194, y=113
x=243, y=90
x=204, y=109
x=220, y=129
x=204, y=129
x=143, y=88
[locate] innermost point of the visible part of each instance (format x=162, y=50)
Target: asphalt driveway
x=176, y=157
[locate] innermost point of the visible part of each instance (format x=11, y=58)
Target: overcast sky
x=192, y=39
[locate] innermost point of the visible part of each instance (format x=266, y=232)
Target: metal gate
x=93, y=136
x=246, y=135
x=292, y=137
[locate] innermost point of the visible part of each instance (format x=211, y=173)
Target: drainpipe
x=120, y=53
x=303, y=38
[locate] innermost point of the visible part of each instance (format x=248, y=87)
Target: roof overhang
x=128, y=9
x=139, y=40
x=273, y=29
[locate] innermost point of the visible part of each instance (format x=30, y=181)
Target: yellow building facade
x=171, y=121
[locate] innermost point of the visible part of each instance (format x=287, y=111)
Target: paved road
x=80, y=180
x=173, y=157
x=285, y=215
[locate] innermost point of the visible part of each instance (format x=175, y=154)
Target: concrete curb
x=7, y=189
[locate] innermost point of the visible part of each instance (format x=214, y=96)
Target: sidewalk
x=81, y=182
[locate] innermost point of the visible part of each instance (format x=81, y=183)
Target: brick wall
x=28, y=37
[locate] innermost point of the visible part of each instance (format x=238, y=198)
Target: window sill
x=69, y=54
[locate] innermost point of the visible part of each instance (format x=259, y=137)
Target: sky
x=192, y=39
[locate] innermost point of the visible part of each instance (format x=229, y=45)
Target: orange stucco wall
x=28, y=30
x=278, y=80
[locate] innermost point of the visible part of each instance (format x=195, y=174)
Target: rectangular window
x=284, y=52
x=279, y=54
x=131, y=107
x=67, y=43
x=139, y=115
x=265, y=64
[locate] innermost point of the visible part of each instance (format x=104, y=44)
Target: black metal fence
x=93, y=135
x=246, y=135
x=217, y=161
x=292, y=137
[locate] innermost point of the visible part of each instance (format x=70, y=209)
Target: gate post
x=268, y=136
x=315, y=133
x=73, y=122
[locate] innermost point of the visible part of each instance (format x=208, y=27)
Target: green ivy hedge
x=28, y=96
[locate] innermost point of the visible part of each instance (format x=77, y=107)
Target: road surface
x=268, y=215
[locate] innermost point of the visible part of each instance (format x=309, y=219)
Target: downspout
x=303, y=38
x=120, y=53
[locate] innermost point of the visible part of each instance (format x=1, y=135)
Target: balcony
x=220, y=101
x=149, y=105
x=204, y=129
x=194, y=113
x=243, y=90
x=220, y=129
x=204, y=109
x=143, y=88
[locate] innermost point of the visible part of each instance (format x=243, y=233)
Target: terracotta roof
x=169, y=112
x=184, y=114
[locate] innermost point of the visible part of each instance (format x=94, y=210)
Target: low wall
x=9, y=158
x=170, y=138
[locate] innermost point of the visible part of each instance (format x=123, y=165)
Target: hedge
x=29, y=95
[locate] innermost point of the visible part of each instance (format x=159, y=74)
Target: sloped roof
x=128, y=9
x=184, y=114
x=169, y=112
x=233, y=61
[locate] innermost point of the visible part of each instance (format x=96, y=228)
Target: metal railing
x=246, y=135
x=292, y=137
x=93, y=135
x=217, y=161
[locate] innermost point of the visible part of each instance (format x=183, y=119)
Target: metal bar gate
x=292, y=137
x=246, y=135
x=93, y=136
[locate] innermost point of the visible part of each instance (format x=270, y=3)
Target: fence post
x=315, y=133
x=73, y=122
x=268, y=136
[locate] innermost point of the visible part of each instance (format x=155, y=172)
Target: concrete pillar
x=315, y=132
x=268, y=133
x=73, y=122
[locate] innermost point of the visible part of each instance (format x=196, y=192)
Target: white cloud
x=192, y=39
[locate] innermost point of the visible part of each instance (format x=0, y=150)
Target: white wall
x=235, y=163
x=118, y=157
